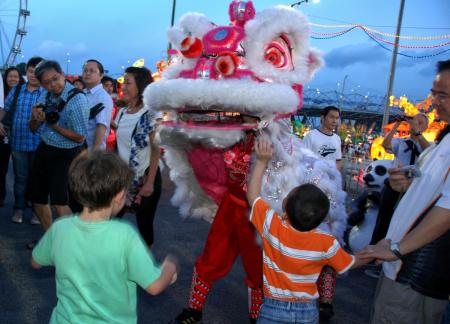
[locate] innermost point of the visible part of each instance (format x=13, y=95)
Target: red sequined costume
x=231, y=235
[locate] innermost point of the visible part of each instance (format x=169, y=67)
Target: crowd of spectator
x=57, y=134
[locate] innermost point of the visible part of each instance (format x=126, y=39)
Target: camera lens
x=52, y=117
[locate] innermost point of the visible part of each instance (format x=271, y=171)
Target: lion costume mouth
x=195, y=118
x=235, y=104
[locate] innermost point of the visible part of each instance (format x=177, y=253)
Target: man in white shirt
x=416, y=282
x=100, y=118
x=406, y=150
x=324, y=141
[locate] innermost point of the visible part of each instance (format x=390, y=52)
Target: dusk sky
x=119, y=32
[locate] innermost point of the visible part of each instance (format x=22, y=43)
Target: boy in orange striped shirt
x=294, y=248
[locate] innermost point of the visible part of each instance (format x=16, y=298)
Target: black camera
x=400, y=118
x=52, y=111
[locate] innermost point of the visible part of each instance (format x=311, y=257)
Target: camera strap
x=411, y=146
x=95, y=110
x=9, y=116
x=72, y=93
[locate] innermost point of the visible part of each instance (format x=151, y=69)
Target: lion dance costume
x=227, y=86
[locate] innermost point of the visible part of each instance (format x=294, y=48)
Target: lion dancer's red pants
x=231, y=234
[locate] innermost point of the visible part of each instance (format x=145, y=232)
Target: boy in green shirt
x=99, y=260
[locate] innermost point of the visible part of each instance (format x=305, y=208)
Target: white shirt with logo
x=328, y=147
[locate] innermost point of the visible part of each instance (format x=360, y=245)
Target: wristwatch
x=395, y=248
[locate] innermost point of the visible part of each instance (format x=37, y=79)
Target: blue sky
x=119, y=32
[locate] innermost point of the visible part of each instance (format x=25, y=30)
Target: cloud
x=352, y=54
x=429, y=70
x=51, y=48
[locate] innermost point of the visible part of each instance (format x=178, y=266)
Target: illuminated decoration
x=374, y=31
x=378, y=152
x=379, y=40
x=405, y=46
x=139, y=63
x=373, y=35
x=73, y=77
x=160, y=67
x=410, y=109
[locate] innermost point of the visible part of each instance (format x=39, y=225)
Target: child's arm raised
x=263, y=150
x=168, y=276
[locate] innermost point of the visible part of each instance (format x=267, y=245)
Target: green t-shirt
x=97, y=266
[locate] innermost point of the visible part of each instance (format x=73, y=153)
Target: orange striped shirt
x=293, y=260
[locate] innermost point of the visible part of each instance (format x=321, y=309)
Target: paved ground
x=28, y=296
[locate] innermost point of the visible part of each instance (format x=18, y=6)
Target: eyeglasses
x=53, y=79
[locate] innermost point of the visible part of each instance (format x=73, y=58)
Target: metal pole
x=393, y=63
x=169, y=47
x=342, y=92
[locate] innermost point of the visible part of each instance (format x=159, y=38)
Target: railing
x=352, y=174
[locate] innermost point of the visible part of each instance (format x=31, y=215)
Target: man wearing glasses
x=61, y=120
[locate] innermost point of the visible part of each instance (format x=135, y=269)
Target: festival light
x=160, y=67
x=409, y=109
x=423, y=38
x=378, y=152
x=139, y=63
x=371, y=33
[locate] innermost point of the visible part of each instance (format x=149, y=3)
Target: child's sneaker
x=17, y=217
x=188, y=316
x=34, y=220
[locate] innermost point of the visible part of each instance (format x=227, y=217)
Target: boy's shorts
x=276, y=311
x=50, y=174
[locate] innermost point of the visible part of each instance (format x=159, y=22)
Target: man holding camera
x=61, y=119
x=406, y=151
x=14, y=124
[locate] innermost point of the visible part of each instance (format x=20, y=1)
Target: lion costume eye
x=278, y=53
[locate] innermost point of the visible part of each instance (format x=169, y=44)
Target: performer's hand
x=398, y=180
x=263, y=150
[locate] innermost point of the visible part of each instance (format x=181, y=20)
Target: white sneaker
x=34, y=220
x=17, y=217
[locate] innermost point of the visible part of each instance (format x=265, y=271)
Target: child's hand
x=170, y=264
x=263, y=150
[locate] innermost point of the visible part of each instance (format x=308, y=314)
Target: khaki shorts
x=396, y=303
